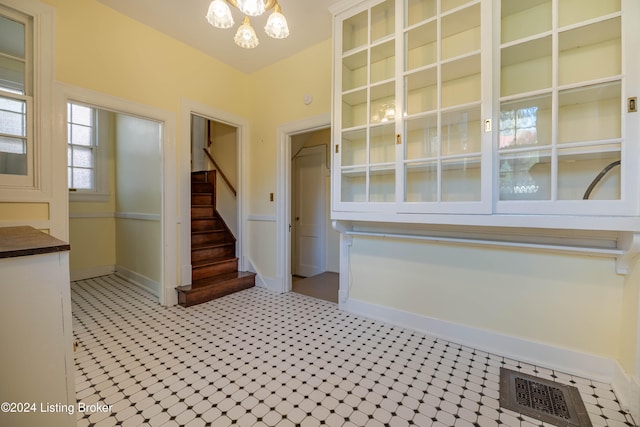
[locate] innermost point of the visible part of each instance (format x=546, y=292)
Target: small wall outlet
x=271, y=197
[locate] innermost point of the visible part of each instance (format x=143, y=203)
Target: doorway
x=158, y=222
x=226, y=127
x=313, y=242
x=115, y=195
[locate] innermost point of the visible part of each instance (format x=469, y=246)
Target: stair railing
x=224, y=177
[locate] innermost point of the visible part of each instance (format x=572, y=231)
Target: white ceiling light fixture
x=245, y=36
x=251, y=7
x=219, y=15
x=277, y=24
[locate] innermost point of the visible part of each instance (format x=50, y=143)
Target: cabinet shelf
x=581, y=11
x=450, y=7
x=354, y=71
x=380, y=168
x=420, y=11
x=460, y=32
x=455, y=160
x=523, y=19
x=355, y=50
x=421, y=91
x=461, y=81
x=355, y=31
x=605, y=151
x=526, y=66
x=383, y=20
x=421, y=44
x=383, y=62
x=590, y=113
x=581, y=47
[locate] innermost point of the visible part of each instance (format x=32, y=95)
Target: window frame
x=100, y=148
x=29, y=180
x=45, y=183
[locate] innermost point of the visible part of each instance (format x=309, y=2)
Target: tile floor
x=258, y=358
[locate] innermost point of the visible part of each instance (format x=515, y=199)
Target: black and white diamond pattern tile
x=256, y=358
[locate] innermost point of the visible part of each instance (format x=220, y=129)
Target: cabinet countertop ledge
x=25, y=241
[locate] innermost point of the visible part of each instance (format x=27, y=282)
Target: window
x=89, y=136
x=16, y=140
x=518, y=178
x=81, y=153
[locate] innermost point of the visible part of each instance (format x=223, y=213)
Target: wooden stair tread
x=214, y=287
x=201, y=284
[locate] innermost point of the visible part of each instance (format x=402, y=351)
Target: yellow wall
x=92, y=243
x=630, y=322
x=104, y=51
x=92, y=223
x=563, y=300
x=24, y=212
x=278, y=94
x=277, y=99
x=99, y=49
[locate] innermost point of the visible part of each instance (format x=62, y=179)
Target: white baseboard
x=271, y=283
x=628, y=391
x=573, y=362
x=88, y=273
x=140, y=280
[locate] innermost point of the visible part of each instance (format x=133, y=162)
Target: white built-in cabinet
x=487, y=109
x=37, y=380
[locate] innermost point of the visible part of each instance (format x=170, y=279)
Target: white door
x=309, y=212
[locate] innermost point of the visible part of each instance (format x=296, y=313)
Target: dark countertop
x=25, y=241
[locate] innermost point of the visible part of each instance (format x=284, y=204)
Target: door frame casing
x=189, y=108
x=283, y=204
x=168, y=215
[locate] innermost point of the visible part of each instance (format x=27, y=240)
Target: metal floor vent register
x=544, y=400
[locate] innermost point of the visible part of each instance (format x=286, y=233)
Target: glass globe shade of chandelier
x=277, y=27
x=251, y=7
x=219, y=15
x=245, y=36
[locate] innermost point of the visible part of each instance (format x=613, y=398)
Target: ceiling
x=309, y=23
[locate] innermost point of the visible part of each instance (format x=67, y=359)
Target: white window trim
x=18, y=180
x=100, y=192
x=41, y=180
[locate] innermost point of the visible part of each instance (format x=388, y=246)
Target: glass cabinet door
x=560, y=102
x=368, y=93
x=484, y=107
x=442, y=123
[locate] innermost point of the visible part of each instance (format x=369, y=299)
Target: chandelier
x=219, y=15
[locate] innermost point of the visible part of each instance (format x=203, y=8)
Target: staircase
x=213, y=248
